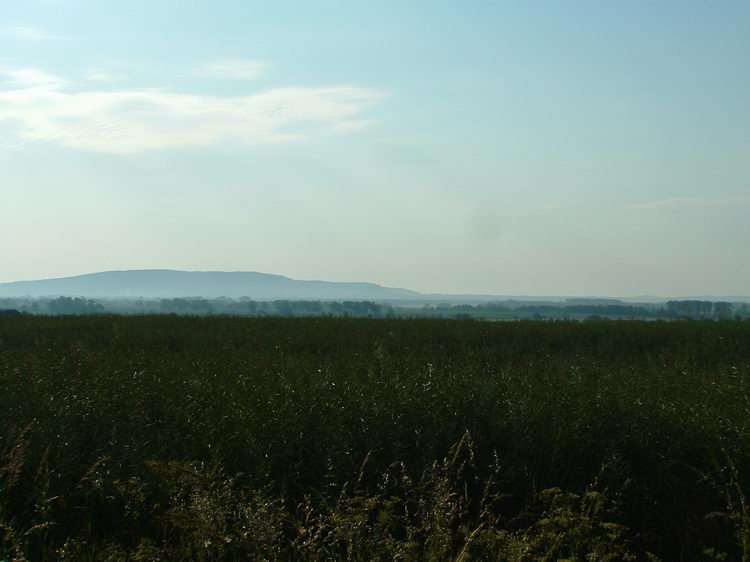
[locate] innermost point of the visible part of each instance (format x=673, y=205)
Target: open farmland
x=187, y=438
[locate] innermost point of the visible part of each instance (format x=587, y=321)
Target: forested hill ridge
x=161, y=283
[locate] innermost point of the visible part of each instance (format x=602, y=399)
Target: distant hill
x=168, y=283
x=162, y=283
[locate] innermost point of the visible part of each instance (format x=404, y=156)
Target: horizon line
x=420, y=293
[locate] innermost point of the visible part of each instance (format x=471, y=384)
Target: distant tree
x=336, y=308
x=493, y=307
x=690, y=308
x=722, y=310
x=609, y=310
x=361, y=308
x=175, y=305
x=310, y=307
x=283, y=307
x=74, y=306
x=595, y=318
x=201, y=306
x=10, y=312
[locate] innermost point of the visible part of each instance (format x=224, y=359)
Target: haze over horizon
x=171, y=283
x=481, y=147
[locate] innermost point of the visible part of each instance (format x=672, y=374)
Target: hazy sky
x=569, y=147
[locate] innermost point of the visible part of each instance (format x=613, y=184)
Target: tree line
x=245, y=306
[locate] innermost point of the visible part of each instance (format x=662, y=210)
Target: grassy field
x=223, y=439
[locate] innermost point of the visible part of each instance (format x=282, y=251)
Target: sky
x=581, y=147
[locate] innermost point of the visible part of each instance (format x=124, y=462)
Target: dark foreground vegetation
x=188, y=438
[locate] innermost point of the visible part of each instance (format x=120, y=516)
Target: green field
x=223, y=439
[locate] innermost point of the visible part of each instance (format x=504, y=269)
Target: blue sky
x=549, y=148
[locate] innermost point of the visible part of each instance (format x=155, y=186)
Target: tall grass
x=165, y=438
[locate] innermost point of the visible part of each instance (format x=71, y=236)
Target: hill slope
x=158, y=283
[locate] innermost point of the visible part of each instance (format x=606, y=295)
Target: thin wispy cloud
x=674, y=202
x=33, y=78
x=232, y=69
x=130, y=121
x=32, y=33
x=102, y=75
x=7, y=148
x=353, y=125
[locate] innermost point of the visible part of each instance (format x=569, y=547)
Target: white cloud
x=691, y=202
x=130, y=121
x=234, y=69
